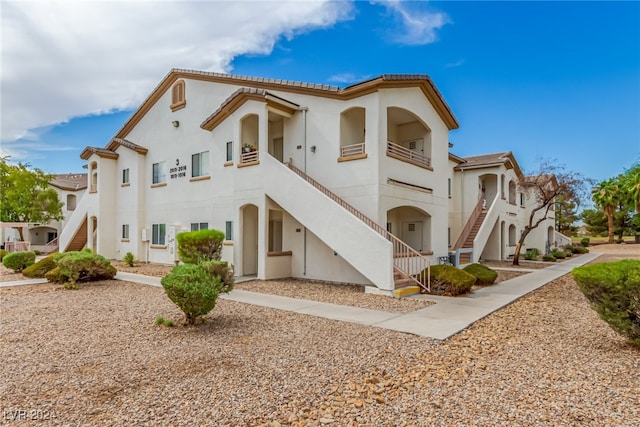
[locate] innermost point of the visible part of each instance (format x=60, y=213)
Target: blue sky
x=558, y=80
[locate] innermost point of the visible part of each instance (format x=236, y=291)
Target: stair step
x=406, y=291
x=401, y=282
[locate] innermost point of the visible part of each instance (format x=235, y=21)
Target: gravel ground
x=95, y=357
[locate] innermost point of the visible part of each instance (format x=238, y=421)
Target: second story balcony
x=408, y=155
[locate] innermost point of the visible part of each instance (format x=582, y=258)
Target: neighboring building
x=349, y=185
x=43, y=237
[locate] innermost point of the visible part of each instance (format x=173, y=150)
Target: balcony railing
x=403, y=153
x=17, y=246
x=352, y=150
x=250, y=157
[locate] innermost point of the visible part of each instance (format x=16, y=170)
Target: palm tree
x=631, y=185
x=606, y=195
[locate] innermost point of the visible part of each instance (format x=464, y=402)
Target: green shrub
x=223, y=271
x=531, y=254
x=198, y=246
x=549, y=257
x=40, y=268
x=2, y=254
x=558, y=254
x=193, y=289
x=613, y=290
x=55, y=276
x=160, y=321
x=585, y=242
x=450, y=281
x=483, y=274
x=580, y=250
x=83, y=266
x=130, y=259
x=18, y=261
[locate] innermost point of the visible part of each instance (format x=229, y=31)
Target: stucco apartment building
x=313, y=181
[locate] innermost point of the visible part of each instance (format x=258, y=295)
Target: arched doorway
x=249, y=230
x=412, y=226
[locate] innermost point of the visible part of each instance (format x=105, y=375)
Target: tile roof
x=102, y=152
x=70, y=181
x=116, y=142
x=486, y=159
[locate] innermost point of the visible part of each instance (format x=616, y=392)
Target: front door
x=412, y=234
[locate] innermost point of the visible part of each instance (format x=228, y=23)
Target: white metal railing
x=352, y=150
x=407, y=261
x=17, y=246
x=400, y=152
x=52, y=246
x=470, y=223
x=251, y=156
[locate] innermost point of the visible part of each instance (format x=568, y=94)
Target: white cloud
x=458, y=63
x=417, y=24
x=65, y=59
x=347, y=78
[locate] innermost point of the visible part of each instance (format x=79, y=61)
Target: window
x=521, y=199
x=159, y=173
x=158, y=234
x=449, y=188
x=449, y=236
x=178, y=99
x=228, y=230
x=125, y=176
x=125, y=231
x=200, y=164
x=195, y=226
x=71, y=202
x=229, y=151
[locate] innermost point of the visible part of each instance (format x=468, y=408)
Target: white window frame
x=159, y=173
x=158, y=234
x=125, y=231
x=125, y=176
x=200, y=164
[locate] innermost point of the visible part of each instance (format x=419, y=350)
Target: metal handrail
x=408, y=154
x=405, y=258
x=51, y=246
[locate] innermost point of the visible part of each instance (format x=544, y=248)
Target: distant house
x=313, y=181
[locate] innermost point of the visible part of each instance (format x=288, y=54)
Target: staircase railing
x=51, y=246
x=469, y=225
x=410, y=263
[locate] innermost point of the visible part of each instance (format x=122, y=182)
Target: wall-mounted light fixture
x=313, y=148
x=175, y=123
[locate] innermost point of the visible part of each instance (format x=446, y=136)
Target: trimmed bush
x=201, y=245
x=2, y=254
x=223, y=271
x=83, y=266
x=585, y=241
x=531, y=254
x=613, y=290
x=484, y=275
x=40, y=268
x=580, y=250
x=558, y=254
x=549, y=257
x=193, y=289
x=18, y=261
x=450, y=281
x=55, y=276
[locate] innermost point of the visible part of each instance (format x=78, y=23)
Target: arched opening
x=502, y=241
x=512, y=192
x=178, y=98
x=93, y=172
x=71, y=202
x=502, y=192
x=488, y=186
x=249, y=138
x=42, y=235
x=551, y=237
x=352, y=132
x=249, y=230
x=512, y=235
x=412, y=226
x=93, y=242
x=408, y=138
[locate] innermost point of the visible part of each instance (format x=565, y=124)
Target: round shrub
x=483, y=274
x=2, y=254
x=55, y=276
x=40, y=268
x=450, y=281
x=580, y=250
x=613, y=290
x=558, y=254
x=549, y=257
x=201, y=245
x=18, y=261
x=193, y=289
x=83, y=266
x=585, y=242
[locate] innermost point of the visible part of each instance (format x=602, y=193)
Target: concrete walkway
x=447, y=317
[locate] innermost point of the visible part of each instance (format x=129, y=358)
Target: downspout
x=304, y=169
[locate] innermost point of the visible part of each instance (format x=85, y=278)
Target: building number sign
x=179, y=171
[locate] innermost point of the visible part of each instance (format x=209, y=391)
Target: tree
x=550, y=182
x=566, y=216
x=25, y=195
x=606, y=195
x=595, y=220
x=630, y=181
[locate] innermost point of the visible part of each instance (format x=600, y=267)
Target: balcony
x=249, y=158
x=406, y=155
x=352, y=152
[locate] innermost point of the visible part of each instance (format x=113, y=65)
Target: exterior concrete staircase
x=79, y=240
x=465, y=258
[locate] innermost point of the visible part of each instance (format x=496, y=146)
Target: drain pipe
x=304, y=169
